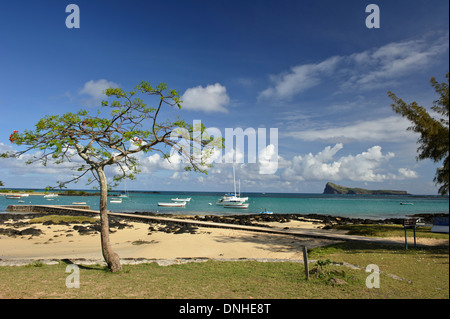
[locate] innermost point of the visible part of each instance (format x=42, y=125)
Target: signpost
x=410, y=223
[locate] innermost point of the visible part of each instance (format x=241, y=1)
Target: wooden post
x=305, y=262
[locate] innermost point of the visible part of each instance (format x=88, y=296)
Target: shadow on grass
x=93, y=267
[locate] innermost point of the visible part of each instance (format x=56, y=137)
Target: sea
x=204, y=203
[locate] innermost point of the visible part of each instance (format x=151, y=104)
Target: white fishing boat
x=16, y=196
x=13, y=196
x=116, y=200
x=53, y=195
x=236, y=205
x=79, y=203
x=173, y=204
x=181, y=199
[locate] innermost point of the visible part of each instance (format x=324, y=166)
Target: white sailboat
x=226, y=198
x=234, y=201
x=125, y=193
x=116, y=200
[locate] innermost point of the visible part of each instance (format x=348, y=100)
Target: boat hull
x=237, y=206
x=172, y=204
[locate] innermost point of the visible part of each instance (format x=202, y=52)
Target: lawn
x=421, y=273
x=426, y=269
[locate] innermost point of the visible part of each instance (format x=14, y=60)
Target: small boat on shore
x=173, y=204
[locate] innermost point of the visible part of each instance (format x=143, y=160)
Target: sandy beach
x=152, y=241
x=22, y=240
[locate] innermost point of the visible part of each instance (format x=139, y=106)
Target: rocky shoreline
x=256, y=219
x=259, y=220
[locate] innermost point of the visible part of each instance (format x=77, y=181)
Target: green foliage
x=434, y=132
x=324, y=272
x=110, y=137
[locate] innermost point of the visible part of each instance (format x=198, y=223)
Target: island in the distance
x=332, y=188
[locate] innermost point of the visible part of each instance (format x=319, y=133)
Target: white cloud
x=406, y=173
x=212, y=98
x=299, y=79
x=16, y=171
x=364, y=167
x=379, y=66
x=372, y=165
x=268, y=160
x=364, y=70
x=95, y=91
x=390, y=129
x=155, y=162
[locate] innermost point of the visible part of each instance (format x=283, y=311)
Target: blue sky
x=311, y=69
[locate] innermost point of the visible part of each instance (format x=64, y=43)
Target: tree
x=434, y=131
x=101, y=141
x=1, y=184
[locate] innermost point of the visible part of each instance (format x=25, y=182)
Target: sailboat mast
x=239, y=188
x=234, y=180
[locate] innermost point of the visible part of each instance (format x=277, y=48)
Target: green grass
x=388, y=231
x=427, y=269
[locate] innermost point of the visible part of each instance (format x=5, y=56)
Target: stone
x=337, y=281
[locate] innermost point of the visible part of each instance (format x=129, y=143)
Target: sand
x=61, y=242
x=136, y=241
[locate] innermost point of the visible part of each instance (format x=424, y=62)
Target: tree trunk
x=111, y=258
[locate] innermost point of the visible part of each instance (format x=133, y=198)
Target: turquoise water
x=364, y=206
